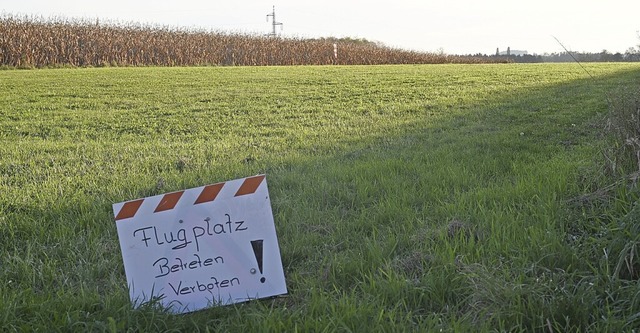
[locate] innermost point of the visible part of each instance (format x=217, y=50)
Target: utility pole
x=274, y=22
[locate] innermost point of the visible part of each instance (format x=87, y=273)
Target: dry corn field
x=27, y=42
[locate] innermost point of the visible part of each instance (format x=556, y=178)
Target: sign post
x=201, y=247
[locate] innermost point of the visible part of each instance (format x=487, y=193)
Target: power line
x=574, y=58
x=274, y=22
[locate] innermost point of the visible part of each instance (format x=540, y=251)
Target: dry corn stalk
x=38, y=42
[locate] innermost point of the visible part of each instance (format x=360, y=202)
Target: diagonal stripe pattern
x=208, y=194
x=169, y=201
x=250, y=185
x=129, y=209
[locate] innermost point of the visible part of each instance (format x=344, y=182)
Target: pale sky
x=454, y=26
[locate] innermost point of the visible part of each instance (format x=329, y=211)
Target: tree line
x=631, y=55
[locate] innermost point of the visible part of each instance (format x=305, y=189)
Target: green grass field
x=406, y=198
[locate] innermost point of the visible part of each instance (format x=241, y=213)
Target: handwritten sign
x=206, y=246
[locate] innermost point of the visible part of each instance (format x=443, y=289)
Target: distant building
x=510, y=52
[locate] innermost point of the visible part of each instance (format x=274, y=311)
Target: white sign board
x=201, y=247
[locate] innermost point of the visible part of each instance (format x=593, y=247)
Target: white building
x=509, y=51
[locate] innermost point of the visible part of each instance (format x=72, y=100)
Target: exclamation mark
x=257, y=251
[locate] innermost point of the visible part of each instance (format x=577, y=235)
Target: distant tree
x=632, y=54
x=605, y=55
x=617, y=57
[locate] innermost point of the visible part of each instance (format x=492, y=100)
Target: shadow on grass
x=501, y=174
x=455, y=224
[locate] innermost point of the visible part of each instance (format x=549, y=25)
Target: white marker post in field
x=207, y=246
